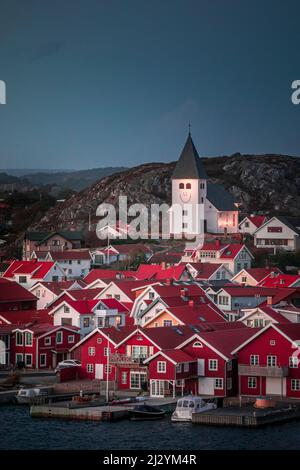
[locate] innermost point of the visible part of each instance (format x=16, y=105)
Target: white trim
x=198, y=336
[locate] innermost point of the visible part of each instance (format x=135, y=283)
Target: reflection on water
x=19, y=431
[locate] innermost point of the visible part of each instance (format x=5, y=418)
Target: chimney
x=163, y=265
x=191, y=303
x=269, y=300
x=218, y=243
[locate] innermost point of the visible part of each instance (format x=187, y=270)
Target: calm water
x=19, y=431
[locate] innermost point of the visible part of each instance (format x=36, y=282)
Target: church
x=198, y=205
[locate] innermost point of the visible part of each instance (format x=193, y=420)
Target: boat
x=125, y=401
x=146, y=412
x=188, y=405
x=27, y=396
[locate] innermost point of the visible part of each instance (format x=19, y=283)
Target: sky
x=94, y=83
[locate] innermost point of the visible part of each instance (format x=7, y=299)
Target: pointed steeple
x=189, y=165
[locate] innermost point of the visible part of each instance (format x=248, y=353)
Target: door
x=276, y=386
x=206, y=386
x=99, y=371
x=157, y=388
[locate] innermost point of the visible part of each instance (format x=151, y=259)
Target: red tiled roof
x=205, y=270
x=258, y=220
x=84, y=294
x=152, y=271
x=37, y=269
x=115, y=304
x=107, y=274
x=226, y=341
x=83, y=307
x=25, y=316
x=260, y=273
x=278, y=317
x=249, y=291
x=292, y=330
x=197, y=314
x=11, y=290
x=179, y=356
x=70, y=254
x=279, y=280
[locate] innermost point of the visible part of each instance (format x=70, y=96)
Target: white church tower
x=198, y=206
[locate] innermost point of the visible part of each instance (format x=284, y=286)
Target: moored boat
x=186, y=406
x=27, y=396
x=146, y=412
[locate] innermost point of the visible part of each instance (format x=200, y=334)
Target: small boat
x=186, y=406
x=125, y=401
x=27, y=396
x=146, y=412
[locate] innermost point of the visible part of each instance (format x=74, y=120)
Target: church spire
x=189, y=165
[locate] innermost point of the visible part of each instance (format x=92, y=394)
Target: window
x=181, y=186
x=272, y=342
x=272, y=361
x=91, y=351
x=66, y=321
x=247, y=224
x=43, y=360
x=178, y=368
x=99, y=340
x=19, y=338
x=139, y=352
x=252, y=382
x=28, y=338
x=86, y=322
x=124, y=378
x=168, y=323
x=197, y=344
x=66, y=309
x=22, y=279
x=59, y=337
x=188, y=186
x=212, y=364
x=137, y=379
x=117, y=296
x=19, y=358
x=295, y=385
x=229, y=383
x=151, y=295
x=47, y=341
x=223, y=300
x=186, y=367
x=90, y=368
x=229, y=365
x=244, y=279
x=254, y=360
x=28, y=360
x=107, y=369
x=106, y=352
x=71, y=338
x=293, y=362
x=218, y=383
x=161, y=366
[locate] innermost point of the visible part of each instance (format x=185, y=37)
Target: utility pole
x=107, y=369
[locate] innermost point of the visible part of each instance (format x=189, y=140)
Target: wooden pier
x=247, y=416
x=95, y=413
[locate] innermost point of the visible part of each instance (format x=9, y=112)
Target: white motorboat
x=27, y=396
x=188, y=405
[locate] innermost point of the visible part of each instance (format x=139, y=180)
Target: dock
x=105, y=412
x=247, y=416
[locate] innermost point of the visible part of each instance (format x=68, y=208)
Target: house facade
x=279, y=233
x=53, y=241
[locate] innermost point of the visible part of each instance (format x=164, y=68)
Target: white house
x=75, y=263
x=28, y=273
x=279, y=233
x=47, y=292
x=251, y=223
x=212, y=207
x=261, y=316
x=233, y=256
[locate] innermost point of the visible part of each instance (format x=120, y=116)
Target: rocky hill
x=267, y=183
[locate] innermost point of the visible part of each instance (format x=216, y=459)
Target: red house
x=205, y=367
x=13, y=296
x=37, y=345
x=269, y=362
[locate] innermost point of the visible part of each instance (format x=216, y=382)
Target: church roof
x=220, y=198
x=189, y=165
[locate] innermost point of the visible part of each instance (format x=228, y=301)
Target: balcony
x=263, y=371
x=123, y=359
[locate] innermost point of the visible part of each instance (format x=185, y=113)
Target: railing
x=263, y=371
x=124, y=359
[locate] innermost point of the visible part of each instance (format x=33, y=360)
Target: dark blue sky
x=95, y=83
